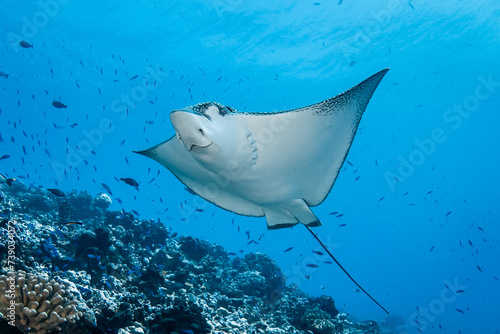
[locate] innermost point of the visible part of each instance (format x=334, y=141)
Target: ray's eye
x=201, y=131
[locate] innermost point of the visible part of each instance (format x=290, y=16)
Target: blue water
x=427, y=144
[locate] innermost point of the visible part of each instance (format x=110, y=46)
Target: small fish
x=135, y=212
x=198, y=210
x=59, y=105
x=130, y=182
x=107, y=188
x=174, y=234
x=459, y=310
x=328, y=262
x=432, y=248
x=25, y=44
x=479, y=268
x=4, y=179
x=73, y=223
x=341, y=225
x=73, y=125
x=333, y=213
x=317, y=252
x=135, y=76
x=449, y=213
x=5, y=156
x=3, y=74
x=460, y=291
x=288, y=249
x=57, y=192
x=312, y=265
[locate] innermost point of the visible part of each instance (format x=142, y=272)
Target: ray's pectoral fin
x=287, y=214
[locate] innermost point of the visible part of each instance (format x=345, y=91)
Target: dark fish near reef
x=130, y=182
x=107, y=188
x=73, y=223
x=59, y=105
x=25, y=44
x=57, y=192
x=4, y=179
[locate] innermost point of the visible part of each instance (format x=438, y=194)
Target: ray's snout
x=189, y=129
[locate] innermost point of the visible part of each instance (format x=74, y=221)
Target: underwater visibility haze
x=408, y=206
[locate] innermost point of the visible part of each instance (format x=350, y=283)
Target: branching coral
x=35, y=304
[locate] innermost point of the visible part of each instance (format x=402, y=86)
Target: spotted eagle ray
x=272, y=164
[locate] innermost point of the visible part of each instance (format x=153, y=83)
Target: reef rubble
x=80, y=268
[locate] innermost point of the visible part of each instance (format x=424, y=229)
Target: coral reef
x=39, y=305
x=117, y=274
